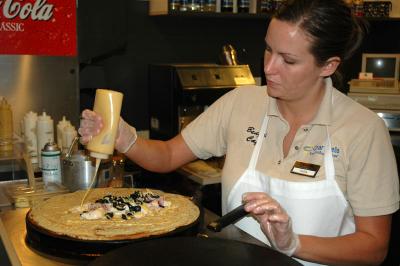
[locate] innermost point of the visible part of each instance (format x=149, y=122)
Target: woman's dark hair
x=334, y=30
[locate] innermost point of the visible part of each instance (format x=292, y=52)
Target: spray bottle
x=44, y=132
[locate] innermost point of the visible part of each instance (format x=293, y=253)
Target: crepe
x=58, y=216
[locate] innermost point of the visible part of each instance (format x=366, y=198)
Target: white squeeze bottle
x=45, y=132
x=30, y=137
x=68, y=136
x=108, y=104
x=60, y=129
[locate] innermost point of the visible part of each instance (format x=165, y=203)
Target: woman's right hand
x=274, y=221
x=90, y=125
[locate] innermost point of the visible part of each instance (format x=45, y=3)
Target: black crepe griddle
x=194, y=251
x=68, y=247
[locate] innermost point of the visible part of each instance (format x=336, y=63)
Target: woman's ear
x=330, y=66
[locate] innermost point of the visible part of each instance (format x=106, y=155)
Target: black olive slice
x=109, y=215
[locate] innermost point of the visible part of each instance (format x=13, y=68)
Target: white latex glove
x=274, y=221
x=126, y=136
x=92, y=123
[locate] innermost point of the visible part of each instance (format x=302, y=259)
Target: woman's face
x=289, y=67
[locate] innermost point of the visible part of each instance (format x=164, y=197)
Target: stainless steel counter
x=13, y=232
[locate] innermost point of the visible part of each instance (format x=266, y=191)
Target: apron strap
x=257, y=148
x=328, y=158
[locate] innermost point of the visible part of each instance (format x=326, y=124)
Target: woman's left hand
x=274, y=221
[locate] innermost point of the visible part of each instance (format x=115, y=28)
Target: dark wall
x=118, y=41
x=143, y=40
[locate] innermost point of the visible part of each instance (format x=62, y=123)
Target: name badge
x=306, y=169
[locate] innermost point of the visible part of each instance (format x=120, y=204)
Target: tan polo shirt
x=365, y=165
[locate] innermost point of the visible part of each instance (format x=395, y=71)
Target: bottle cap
x=50, y=146
x=44, y=117
x=31, y=115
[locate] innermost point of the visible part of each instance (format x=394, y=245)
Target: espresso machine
x=180, y=92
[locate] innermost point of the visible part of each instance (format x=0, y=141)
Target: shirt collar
x=273, y=108
x=324, y=114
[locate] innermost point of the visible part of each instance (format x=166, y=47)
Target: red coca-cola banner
x=38, y=27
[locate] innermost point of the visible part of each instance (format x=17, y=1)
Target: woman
x=319, y=185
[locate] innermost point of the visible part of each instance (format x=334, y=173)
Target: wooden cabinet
x=158, y=7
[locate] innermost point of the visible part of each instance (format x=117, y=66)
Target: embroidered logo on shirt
x=253, y=135
x=319, y=149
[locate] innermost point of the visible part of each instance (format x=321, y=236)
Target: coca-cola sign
x=38, y=27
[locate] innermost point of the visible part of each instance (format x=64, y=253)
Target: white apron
x=317, y=208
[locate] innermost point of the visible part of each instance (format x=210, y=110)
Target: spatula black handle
x=229, y=218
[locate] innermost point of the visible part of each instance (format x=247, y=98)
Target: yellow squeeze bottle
x=6, y=126
x=107, y=103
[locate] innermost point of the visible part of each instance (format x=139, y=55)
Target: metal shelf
x=214, y=15
x=224, y=15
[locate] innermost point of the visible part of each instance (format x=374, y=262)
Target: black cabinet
x=102, y=29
